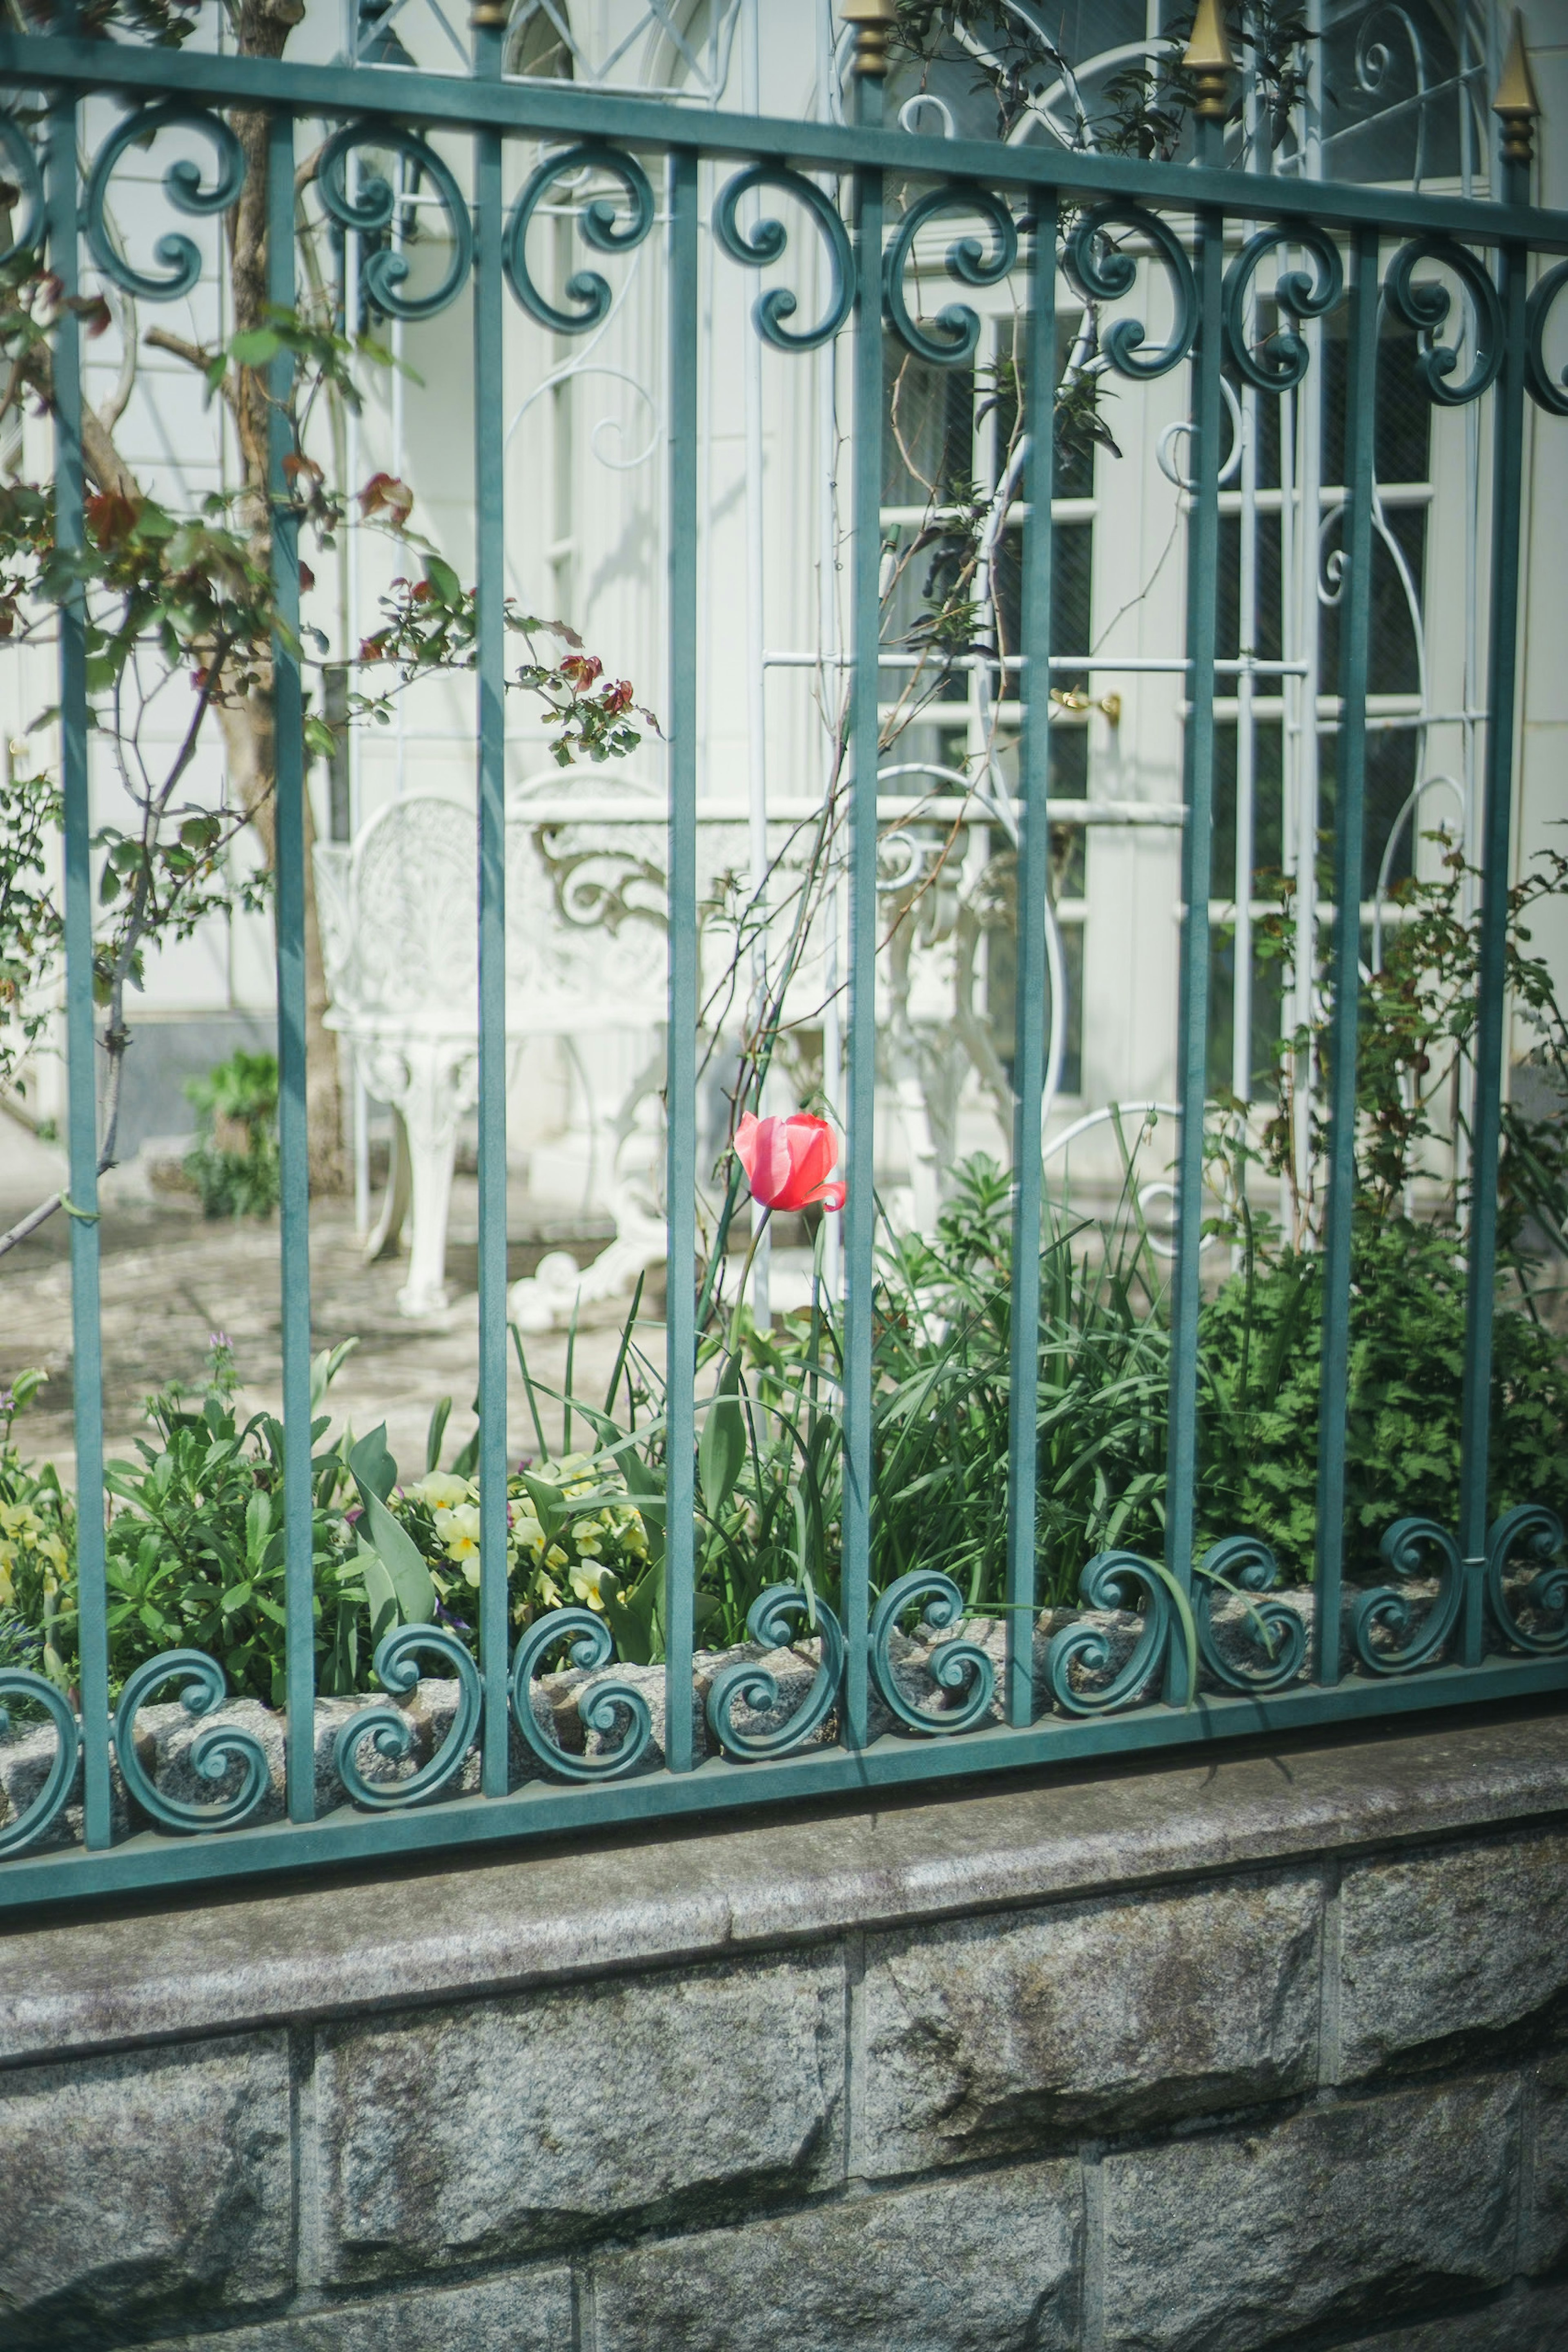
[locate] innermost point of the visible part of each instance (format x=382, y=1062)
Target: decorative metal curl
x=212, y=1753
x=182, y=186
x=765, y=242
x=1104, y=1585
x=1535, y=1530
x=389, y=1728
x=28, y=1827
x=1107, y=278
x=1426, y=306
x=952, y=1666
x=956, y=328
x=1283, y=358
x=1404, y=1548
x=749, y=1683
x=1243, y=1560
x=384, y=270
x=1543, y=390
x=600, y=1706
x=597, y=224
x=17, y=149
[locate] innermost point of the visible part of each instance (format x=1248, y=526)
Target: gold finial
x=874, y=21
x=1210, y=61
x=491, y=16
x=1516, y=105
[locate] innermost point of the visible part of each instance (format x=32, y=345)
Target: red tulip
x=788, y=1160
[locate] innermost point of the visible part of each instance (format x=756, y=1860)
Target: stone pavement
x=171, y=1277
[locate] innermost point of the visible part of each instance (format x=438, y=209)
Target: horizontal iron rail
x=404, y=95
x=719, y=1786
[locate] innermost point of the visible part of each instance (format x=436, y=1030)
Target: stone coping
x=245, y=1959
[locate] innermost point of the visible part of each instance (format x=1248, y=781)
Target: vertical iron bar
x=681, y=1078
x=490, y=626
x=1028, y=1044
x=87, y=1330
x=1197, y=875
x=293, y=1138
x=1350, y=786
x=1502, y=662
x=860, y=1208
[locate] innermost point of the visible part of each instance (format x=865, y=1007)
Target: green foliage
x=30, y=923
x=235, y=1167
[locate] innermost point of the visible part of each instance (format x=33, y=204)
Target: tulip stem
x=761, y=1227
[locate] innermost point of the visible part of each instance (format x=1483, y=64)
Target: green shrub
x=234, y=1166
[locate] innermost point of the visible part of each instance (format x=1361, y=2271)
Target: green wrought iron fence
x=1467, y=1615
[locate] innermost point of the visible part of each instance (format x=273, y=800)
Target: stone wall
x=1267, y=2051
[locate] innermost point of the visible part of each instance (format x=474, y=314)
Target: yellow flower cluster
x=25, y=1541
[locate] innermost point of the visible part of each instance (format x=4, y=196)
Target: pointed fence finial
x=1516, y=105
x=1208, y=57
x=874, y=21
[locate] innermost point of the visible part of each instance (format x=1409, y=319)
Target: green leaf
x=324, y=1371
x=401, y=1557
x=380, y=1592
x=443, y=580
x=371, y=1465
x=435, y=1434
x=255, y=346
x=721, y=1454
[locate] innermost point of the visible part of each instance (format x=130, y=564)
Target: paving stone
x=991, y=2036
x=483, y=2133
x=1339, y=2216
x=138, y=2188
x=1543, y=2225
x=1451, y=1948
x=986, y=2263
x=526, y=2311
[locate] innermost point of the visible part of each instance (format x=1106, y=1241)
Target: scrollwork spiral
x=181, y=185
x=1281, y=360
x=749, y=1684
x=765, y=242
x=954, y=334
x=1426, y=305
x=1243, y=1562
x=604, y=1707
x=596, y=222
x=1106, y=277
x=1105, y=1584
x=384, y=270
x=389, y=1730
x=18, y=151
x=1386, y=1608
x=1537, y=1532
x=956, y=1667
x=214, y=1753
x=28, y=1827
x=1546, y=393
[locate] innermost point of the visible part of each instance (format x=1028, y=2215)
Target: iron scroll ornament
x=384, y=270
x=597, y=224
x=1106, y=277
x=1404, y=1548
x=213, y=1752
x=1548, y=393
x=1243, y=1562
x=183, y=184
x=1281, y=360
x=765, y=242
x=601, y=1706
x=1537, y=1532
x=750, y=1683
x=956, y=1667
x=1105, y=1584
x=955, y=332
x=29, y=1826
x=389, y=1729
x=18, y=151
x=1426, y=306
